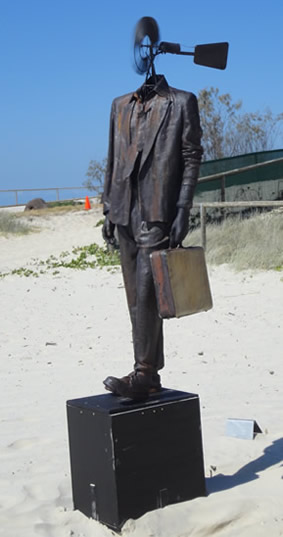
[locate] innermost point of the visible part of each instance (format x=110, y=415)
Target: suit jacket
x=170, y=158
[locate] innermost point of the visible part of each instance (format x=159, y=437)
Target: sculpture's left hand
x=180, y=227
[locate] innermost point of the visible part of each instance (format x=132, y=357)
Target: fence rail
x=203, y=206
x=55, y=189
x=205, y=179
x=228, y=204
x=235, y=171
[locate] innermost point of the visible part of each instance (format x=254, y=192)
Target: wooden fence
x=229, y=204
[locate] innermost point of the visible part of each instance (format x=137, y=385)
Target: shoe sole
x=124, y=391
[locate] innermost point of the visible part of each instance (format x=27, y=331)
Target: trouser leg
x=146, y=324
x=149, y=326
x=128, y=254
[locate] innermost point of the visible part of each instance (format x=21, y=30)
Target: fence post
x=16, y=193
x=57, y=194
x=223, y=184
x=203, y=225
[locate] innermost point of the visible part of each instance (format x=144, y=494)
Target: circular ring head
x=145, y=45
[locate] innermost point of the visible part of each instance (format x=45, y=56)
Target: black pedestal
x=129, y=458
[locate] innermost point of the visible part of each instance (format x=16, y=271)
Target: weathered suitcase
x=181, y=281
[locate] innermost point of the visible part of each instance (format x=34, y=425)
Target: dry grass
x=253, y=243
x=25, y=221
x=59, y=210
x=49, y=211
x=9, y=224
x=20, y=223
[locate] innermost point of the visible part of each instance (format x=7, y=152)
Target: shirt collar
x=161, y=88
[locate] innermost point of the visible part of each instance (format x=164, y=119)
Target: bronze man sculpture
x=153, y=165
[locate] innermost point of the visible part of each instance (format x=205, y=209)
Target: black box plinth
x=129, y=458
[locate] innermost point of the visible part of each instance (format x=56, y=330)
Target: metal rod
x=38, y=189
x=184, y=53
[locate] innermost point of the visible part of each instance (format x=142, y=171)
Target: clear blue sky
x=63, y=61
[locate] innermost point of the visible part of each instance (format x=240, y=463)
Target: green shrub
x=81, y=258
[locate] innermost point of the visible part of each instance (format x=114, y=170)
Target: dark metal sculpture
x=147, y=47
x=152, y=170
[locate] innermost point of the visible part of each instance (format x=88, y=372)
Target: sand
x=61, y=334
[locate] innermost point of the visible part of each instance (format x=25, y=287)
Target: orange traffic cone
x=87, y=204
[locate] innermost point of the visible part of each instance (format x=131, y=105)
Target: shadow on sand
x=273, y=454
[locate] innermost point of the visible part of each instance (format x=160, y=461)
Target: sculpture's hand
x=108, y=230
x=180, y=227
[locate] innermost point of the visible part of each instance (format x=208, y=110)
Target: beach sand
x=62, y=333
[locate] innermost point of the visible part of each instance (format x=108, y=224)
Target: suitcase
x=181, y=281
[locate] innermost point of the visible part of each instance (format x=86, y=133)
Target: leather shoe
x=136, y=385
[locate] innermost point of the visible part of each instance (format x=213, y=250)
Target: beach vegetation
x=64, y=203
x=22, y=271
x=80, y=258
x=52, y=210
x=244, y=243
x=10, y=224
x=100, y=222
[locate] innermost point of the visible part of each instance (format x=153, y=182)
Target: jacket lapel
x=157, y=116
x=127, y=150
x=124, y=121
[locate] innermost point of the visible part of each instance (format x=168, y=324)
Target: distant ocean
x=9, y=198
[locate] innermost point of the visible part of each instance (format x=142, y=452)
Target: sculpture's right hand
x=180, y=227
x=108, y=230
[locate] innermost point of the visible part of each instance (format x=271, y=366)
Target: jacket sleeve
x=109, y=168
x=191, y=150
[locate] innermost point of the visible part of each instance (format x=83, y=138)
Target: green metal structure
x=264, y=183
